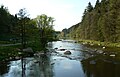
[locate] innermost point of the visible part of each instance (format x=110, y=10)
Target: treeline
x=100, y=23
x=11, y=25
x=7, y=23
x=21, y=28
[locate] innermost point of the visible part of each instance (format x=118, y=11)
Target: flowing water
x=80, y=63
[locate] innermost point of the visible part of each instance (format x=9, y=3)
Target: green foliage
x=4, y=20
x=8, y=24
x=45, y=27
x=101, y=23
x=23, y=22
x=99, y=43
x=89, y=7
x=34, y=33
x=8, y=51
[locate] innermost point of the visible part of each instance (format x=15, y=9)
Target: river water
x=80, y=63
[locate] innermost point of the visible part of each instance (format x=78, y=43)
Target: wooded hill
x=100, y=23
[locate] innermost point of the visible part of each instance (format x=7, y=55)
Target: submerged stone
x=52, y=63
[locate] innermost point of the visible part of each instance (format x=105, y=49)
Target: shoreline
x=98, y=43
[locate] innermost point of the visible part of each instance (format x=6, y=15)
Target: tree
x=101, y=23
x=97, y=4
x=4, y=20
x=89, y=7
x=7, y=24
x=22, y=21
x=45, y=26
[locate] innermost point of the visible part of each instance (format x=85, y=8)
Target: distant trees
x=101, y=23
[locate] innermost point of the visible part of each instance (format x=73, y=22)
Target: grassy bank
x=9, y=52
x=13, y=52
x=7, y=42
x=103, y=44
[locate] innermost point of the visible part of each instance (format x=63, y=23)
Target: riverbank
x=104, y=46
x=8, y=52
x=80, y=63
x=98, y=43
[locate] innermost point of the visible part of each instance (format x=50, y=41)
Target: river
x=82, y=62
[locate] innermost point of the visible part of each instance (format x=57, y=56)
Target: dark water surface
x=82, y=62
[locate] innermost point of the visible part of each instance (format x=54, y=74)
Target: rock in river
x=62, y=49
x=67, y=52
x=55, y=48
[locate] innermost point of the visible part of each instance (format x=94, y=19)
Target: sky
x=65, y=12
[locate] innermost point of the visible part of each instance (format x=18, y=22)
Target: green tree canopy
x=45, y=25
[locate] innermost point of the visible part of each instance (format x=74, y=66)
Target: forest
x=99, y=23
x=19, y=31
x=30, y=47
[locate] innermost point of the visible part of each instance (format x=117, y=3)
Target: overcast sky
x=65, y=12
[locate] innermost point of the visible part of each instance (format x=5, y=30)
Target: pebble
x=103, y=47
x=112, y=55
x=100, y=51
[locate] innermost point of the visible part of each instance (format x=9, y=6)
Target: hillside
x=99, y=23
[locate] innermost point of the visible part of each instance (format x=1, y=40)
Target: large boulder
x=28, y=50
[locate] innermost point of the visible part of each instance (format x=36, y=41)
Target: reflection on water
x=100, y=68
x=29, y=67
x=64, y=67
x=4, y=68
x=58, y=64
x=45, y=66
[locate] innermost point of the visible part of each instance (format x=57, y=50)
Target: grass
x=35, y=46
x=5, y=42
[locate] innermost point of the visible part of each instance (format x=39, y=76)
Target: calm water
x=80, y=63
